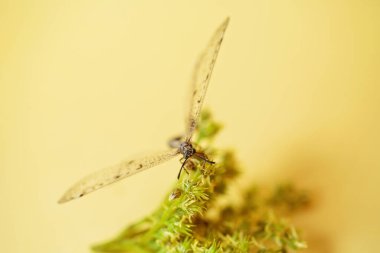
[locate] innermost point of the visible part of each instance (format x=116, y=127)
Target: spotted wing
x=201, y=77
x=115, y=173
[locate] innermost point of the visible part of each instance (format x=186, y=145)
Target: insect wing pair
x=200, y=80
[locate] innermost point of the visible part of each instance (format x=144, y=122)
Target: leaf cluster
x=191, y=219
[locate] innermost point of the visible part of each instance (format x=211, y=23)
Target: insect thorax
x=186, y=149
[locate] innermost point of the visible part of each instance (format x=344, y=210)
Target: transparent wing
x=115, y=173
x=201, y=77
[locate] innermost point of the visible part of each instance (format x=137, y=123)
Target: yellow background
x=84, y=84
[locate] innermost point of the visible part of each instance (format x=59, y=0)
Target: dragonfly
x=180, y=146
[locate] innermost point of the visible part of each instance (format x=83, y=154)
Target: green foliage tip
x=190, y=219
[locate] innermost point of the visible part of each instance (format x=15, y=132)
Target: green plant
x=192, y=219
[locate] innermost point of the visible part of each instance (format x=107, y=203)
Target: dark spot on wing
x=117, y=176
x=140, y=166
x=81, y=195
x=198, y=101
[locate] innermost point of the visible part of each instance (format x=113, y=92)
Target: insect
x=201, y=78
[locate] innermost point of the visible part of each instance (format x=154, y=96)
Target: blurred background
x=84, y=84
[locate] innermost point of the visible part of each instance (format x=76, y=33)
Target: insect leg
x=203, y=157
x=183, y=165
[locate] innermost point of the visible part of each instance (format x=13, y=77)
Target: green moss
x=190, y=220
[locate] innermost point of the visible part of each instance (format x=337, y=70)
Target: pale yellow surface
x=84, y=84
